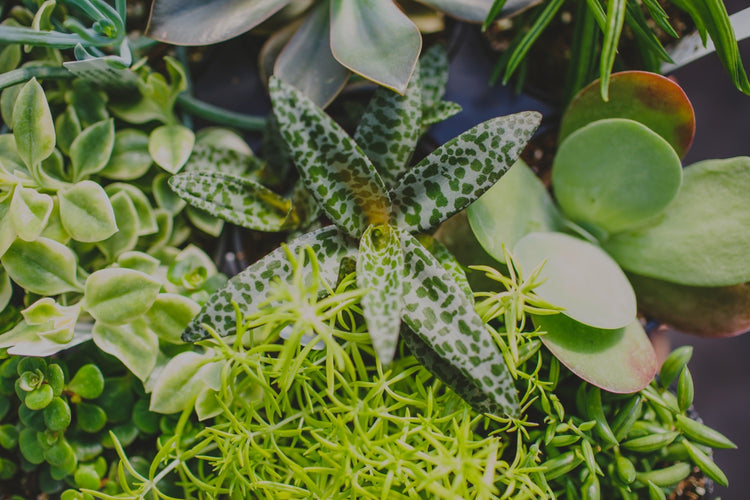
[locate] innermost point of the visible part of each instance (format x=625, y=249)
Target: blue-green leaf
x=474, y=11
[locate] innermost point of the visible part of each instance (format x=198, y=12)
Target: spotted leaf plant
x=376, y=218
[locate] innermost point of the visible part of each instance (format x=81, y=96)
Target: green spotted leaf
x=134, y=344
x=390, y=128
x=170, y=146
x=222, y=157
x=449, y=263
x=29, y=212
x=460, y=171
x=433, y=76
x=380, y=269
x=42, y=266
x=251, y=287
x=130, y=158
x=331, y=165
x=437, y=311
x=238, y=200
x=117, y=295
x=33, y=127
x=92, y=148
x=86, y=212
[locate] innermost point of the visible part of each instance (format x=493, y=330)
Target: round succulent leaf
x=126, y=236
x=146, y=217
x=130, y=157
x=701, y=239
x=134, y=344
x=42, y=266
x=306, y=61
x=620, y=360
x=39, y=397
x=57, y=415
x=170, y=315
x=375, y=40
x=139, y=261
x=92, y=148
x=201, y=22
x=29, y=446
x=88, y=382
x=648, y=98
x=164, y=196
x=86, y=212
x=578, y=276
x=518, y=204
x=615, y=174
x=180, y=382
x=67, y=128
x=473, y=11
x=204, y=221
x=29, y=212
x=117, y=295
x=33, y=127
x=170, y=146
x=90, y=417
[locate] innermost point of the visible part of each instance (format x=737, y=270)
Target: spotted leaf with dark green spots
x=333, y=168
x=460, y=171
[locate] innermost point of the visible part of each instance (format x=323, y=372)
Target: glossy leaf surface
x=92, y=148
x=134, y=344
x=118, y=295
x=130, y=158
x=42, y=266
x=29, y=212
x=169, y=316
x=170, y=146
x=33, y=127
x=86, y=212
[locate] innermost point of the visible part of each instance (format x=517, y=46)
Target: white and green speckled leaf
x=460, y=171
x=449, y=263
x=331, y=165
x=380, y=269
x=390, y=128
x=251, y=286
x=238, y=200
x=442, y=316
x=209, y=157
x=433, y=74
x=440, y=112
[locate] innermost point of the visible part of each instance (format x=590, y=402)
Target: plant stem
x=219, y=115
x=21, y=75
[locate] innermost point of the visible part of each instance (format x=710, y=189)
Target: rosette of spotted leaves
x=374, y=224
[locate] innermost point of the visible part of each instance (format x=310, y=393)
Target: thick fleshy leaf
x=86, y=212
x=375, y=40
x=701, y=239
x=134, y=344
x=126, y=236
x=380, y=269
x=444, y=319
x=204, y=22
x=170, y=146
x=238, y=200
x=33, y=127
x=653, y=100
x=219, y=158
x=24, y=340
x=6, y=289
x=42, y=266
x=146, y=217
x=181, y=381
x=449, y=263
x=59, y=321
x=474, y=11
x=117, y=295
x=390, y=128
x=91, y=150
x=67, y=128
x=332, y=166
x=205, y=221
x=579, y=277
x=517, y=205
x=166, y=198
x=306, y=62
x=7, y=231
x=130, y=158
x=621, y=360
x=460, y=171
x=170, y=315
x=614, y=175
x=29, y=212
x=139, y=261
x=251, y=286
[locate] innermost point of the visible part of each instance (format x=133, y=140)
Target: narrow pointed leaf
x=33, y=127
x=42, y=266
x=444, y=318
x=29, y=212
x=134, y=344
x=306, y=62
x=332, y=166
x=440, y=112
x=390, y=128
x=86, y=212
x=240, y=201
x=209, y=157
x=460, y=171
x=376, y=40
x=251, y=286
x=449, y=263
x=380, y=269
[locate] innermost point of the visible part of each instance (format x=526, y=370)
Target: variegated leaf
x=458, y=172
x=437, y=310
x=440, y=112
x=235, y=199
x=390, y=128
x=380, y=269
x=332, y=166
x=251, y=286
x=213, y=158
x=433, y=75
x=449, y=263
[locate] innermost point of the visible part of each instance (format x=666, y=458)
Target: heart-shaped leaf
x=701, y=239
x=170, y=146
x=33, y=127
x=332, y=166
x=460, y=171
x=251, y=286
x=180, y=382
x=170, y=315
x=579, y=277
x=306, y=62
x=615, y=174
x=86, y=212
x=376, y=40
x=240, y=201
x=92, y=148
x=648, y=98
x=517, y=205
x=134, y=344
x=444, y=319
x=380, y=269
x=42, y=266
x=29, y=212
x=117, y=295
x=130, y=158
x=621, y=360
x=126, y=236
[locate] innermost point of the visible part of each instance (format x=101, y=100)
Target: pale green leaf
x=8, y=100
x=460, y=171
x=166, y=198
x=7, y=231
x=29, y=212
x=54, y=229
x=42, y=266
x=24, y=340
x=139, y=261
x=58, y=321
x=133, y=344
x=92, y=148
x=89, y=102
x=6, y=289
x=126, y=236
x=170, y=315
x=204, y=221
x=376, y=40
x=160, y=238
x=380, y=269
x=180, y=382
x=67, y=128
x=130, y=158
x=86, y=212
x=146, y=217
x=118, y=295
x=170, y=146
x=33, y=127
